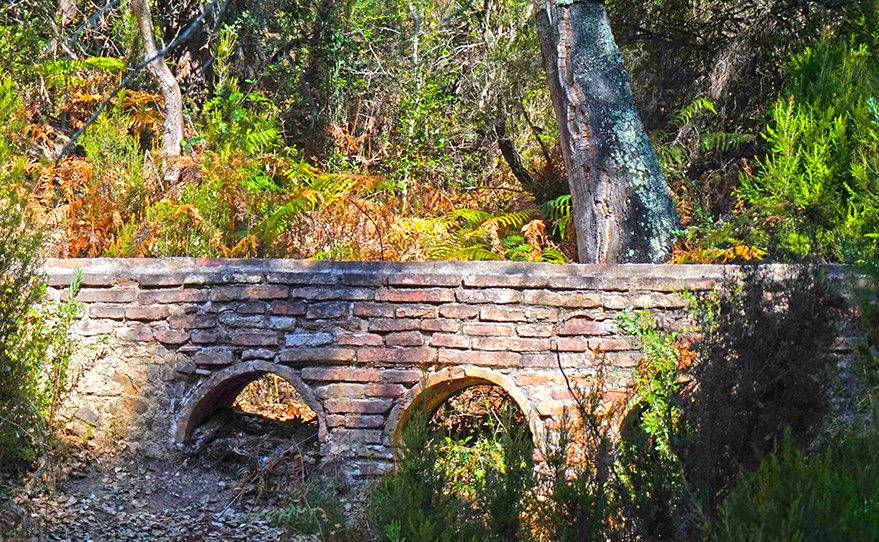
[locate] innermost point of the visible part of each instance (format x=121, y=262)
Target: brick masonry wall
x=171, y=339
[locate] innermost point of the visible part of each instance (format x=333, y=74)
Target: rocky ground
x=229, y=485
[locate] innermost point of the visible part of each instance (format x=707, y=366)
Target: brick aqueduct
x=176, y=339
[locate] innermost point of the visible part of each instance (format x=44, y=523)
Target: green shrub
x=833, y=495
x=763, y=367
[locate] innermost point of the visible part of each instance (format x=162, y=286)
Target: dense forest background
x=422, y=129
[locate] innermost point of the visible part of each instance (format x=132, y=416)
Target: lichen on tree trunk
x=622, y=207
x=172, y=128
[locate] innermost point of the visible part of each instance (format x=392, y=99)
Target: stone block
x=266, y=291
x=610, y=345
x=299, y=355
x=312, y=293
x=363, y=279
x=152, y=280
x=356, y=436
x=258, y=353
x=151, y=312
x=231, y=319
x=499, y=296
x=397, y=355
x=106, y=310
x=295, y=278
x=251, y=307
x=358, y=406
x=209, y=336
x=193, y=321
x=137, y=333
x=456, y=310
x=510, y=344
x=448, y=340
x=308, y=339
x=90, y=328
x=541, y=379
x=282, y=323
x=189, y=295
x=416, y=295
x=364, y=421
x=342, y=374
x=404, y=338
x=562, y=299
x=505, y=281
x=213, y=356
x=424, y=279
x=113, y=295
x=488, y=329
x=342, y=391
x=393, y=324
x=254, y=338
x=320, y=311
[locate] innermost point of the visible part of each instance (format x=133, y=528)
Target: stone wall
x=172, y=340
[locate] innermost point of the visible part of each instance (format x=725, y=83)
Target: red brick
x=580, y=326
x=372, y=310
x=364, y=339
x=193, y=321
x=281, y=308
x=441, y=325
x=169, y=336
x=396, y=355
x=415, y=312
x=153, y=312
x=494, y=359
x=335, y=420
x=507, y=281
x=624, y=358
x=447, y=340
x=211, y=336
x=424, y=279
x=394, y=324
x=483, y=329
x=384, y=390
x=499, y=296
x=342, y=391
x=540, y=379
x=266, y=291
x=173, y=296
x=510, y=344
x=499, y=314
x=458, y=311
x=562, y=299
x=571, y=344
x=106, y=310
x=341, y=374
x=402, y=376
x=534, y=330
x=320, y=311
x=416, y=296
x=610, y=345
x=404, y=338
x=360, y=406
x=120, y=295
x=296, y=355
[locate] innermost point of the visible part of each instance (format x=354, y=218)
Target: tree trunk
x=622, y=207
x=172, y=132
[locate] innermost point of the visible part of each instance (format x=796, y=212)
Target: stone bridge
x=173, y=340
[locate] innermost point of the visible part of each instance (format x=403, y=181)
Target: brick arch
x=437, y=387
x=223, y=387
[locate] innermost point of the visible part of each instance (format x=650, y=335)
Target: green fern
x=686, y=114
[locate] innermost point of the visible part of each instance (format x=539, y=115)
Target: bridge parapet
x=361, y=341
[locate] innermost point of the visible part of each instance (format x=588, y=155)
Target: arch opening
x=254, y=397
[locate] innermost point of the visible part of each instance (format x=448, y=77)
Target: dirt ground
x=229, y=485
